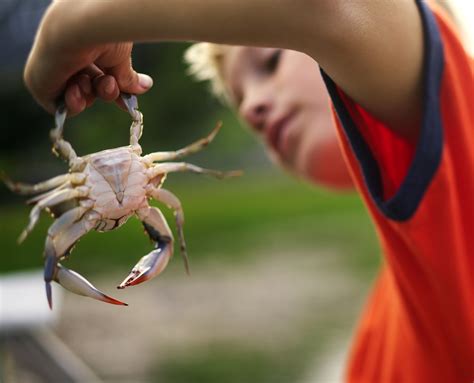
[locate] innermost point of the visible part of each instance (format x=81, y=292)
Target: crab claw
x=49, y=270
x=49, y=294
x=148, y=267
x=77, y=284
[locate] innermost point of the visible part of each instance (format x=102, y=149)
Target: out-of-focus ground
x=275, y=305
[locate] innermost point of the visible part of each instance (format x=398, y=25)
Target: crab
x=100, y=192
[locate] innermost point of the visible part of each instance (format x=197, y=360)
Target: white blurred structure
x=31, y=351
x=23, y=301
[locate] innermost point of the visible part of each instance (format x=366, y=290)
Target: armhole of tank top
x=403, y=204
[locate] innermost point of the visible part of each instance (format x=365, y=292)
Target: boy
x=401, y=84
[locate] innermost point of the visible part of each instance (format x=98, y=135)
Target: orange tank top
x=418, y=325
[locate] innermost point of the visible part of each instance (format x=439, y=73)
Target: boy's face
x=281, y=95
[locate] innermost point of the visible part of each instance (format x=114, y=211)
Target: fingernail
x=145, y=81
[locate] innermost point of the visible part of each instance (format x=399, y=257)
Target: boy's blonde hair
x=205, y=64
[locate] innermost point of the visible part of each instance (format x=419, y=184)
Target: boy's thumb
x=130, y=81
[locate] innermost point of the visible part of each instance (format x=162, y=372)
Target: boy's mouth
x=275, y=132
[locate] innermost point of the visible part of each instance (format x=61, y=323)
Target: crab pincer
x=155, y=262
x=72, y=281
x=148, y=267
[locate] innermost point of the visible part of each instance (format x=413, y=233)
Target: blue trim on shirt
x=427, y=156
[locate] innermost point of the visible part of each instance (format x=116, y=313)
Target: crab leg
x=53, y=199
x=61, y=147
x=190, y=149
x=171, y=167
x=153, y=263
x=39, y=197
x=25, y=189
x=136, y=129
x=170, y=200
x=62, y=236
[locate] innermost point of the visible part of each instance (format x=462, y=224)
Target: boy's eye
x=271, y=64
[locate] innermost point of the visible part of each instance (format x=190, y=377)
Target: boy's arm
x=372, y=49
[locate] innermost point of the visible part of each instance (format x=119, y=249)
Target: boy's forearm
x=245, y=22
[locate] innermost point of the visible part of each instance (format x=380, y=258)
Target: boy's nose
x=256, y=113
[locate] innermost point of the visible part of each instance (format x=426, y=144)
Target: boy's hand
x=57, y=69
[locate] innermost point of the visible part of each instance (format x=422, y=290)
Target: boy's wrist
x=62, y=36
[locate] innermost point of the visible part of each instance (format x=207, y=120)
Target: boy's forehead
x=236, y=55
x=240, y=54
x=238, y=58
x=233, y=59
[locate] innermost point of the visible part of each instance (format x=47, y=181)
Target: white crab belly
x=114, y=209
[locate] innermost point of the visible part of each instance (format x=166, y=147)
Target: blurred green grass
x=227, y=220
x=228, y=363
